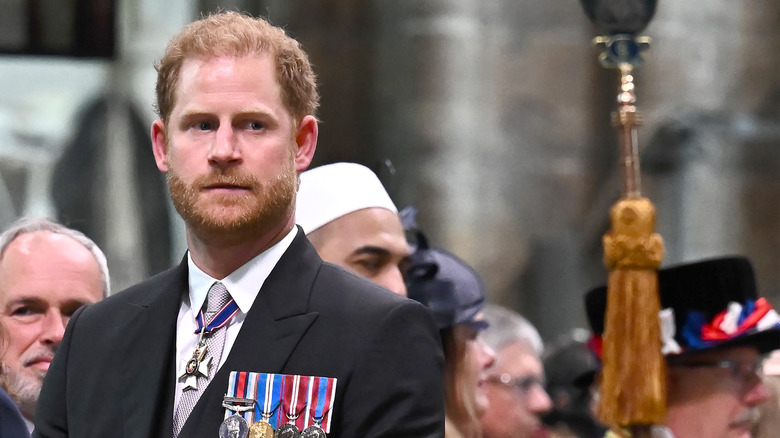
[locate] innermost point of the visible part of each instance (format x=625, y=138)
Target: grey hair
x=507, y=327
x=32, y=224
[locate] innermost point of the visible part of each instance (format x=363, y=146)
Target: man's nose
x=224, y=148
x=758, y=394
x=394, y=281
x=53, y=328
x=539, y=401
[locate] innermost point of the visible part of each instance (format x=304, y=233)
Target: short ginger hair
x=239, y=35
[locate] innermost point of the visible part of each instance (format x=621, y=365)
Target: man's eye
x=21, y=311
x=203, y=126
x=255, y=126
x=372, y=266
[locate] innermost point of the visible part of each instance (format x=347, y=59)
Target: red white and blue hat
x=710, y=304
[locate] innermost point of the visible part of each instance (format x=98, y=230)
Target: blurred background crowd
x=490, y=117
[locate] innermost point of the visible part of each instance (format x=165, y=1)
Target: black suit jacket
x=114, y=372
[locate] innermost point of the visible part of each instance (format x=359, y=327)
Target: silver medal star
x=191, y=380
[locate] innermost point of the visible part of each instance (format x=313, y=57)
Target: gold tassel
x=633, y=382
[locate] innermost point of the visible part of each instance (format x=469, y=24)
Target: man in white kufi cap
x=351, y=220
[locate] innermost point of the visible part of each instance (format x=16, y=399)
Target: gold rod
x=626, y=119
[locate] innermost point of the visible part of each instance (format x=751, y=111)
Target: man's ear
x=306, y=142
x=160, y=145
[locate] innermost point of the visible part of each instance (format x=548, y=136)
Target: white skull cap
x=328, y=192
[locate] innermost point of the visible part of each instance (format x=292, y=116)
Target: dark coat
x=12, y=423
x=114, y=374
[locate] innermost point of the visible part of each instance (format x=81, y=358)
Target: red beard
x=233, y=218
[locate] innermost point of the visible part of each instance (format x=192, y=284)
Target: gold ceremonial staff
x=633, y=383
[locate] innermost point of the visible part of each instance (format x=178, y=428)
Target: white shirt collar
x=244, y=283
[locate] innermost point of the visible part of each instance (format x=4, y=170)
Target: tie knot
x=217, y=298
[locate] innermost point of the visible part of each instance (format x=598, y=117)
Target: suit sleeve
x=11, y=420
x=396, y=390
x=51, y=414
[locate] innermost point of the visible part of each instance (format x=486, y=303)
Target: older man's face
x=44, y=278
x=715, y=394
x=516, y=394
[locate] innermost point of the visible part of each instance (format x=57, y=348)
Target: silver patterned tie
x=217, y=298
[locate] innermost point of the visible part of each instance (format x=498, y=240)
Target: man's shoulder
x=143, y=293
x=336, y=281
x=338, y=293
x=12, y=423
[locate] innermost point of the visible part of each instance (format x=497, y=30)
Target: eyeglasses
x=523, y=384
x=738, y=370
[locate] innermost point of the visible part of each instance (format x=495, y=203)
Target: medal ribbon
x=321, y=394
x=242, y=385
x=294, y=400
x=271, y=385
x=296, y=394
x=222, y=317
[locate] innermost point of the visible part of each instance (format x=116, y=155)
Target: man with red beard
x=252, y=328
x=47, y=271
x=715, y=331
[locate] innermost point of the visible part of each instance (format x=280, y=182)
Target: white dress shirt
x=243, y=284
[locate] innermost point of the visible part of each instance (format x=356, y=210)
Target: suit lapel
x=149, y=372
x=274, y=325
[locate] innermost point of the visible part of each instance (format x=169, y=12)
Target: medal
x=238, y=404
x=241, y=396
x=196, y=366
x=313, y=431
x=281, y=405
x=234, y=426
x=261, y=429
x=288, y=430
x=319, y=401
x=270, y=385
x=293, y=403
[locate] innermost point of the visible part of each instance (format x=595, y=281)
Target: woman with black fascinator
x=455, y=293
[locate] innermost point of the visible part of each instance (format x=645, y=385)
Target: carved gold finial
x=633, y=242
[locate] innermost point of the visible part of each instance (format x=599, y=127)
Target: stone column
x=479, y=104
x=436, y=120
x=144, y=29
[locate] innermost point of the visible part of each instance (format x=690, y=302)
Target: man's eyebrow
x=32, y=302
x=195, y=112
x=26, y=300
x=371, y=250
